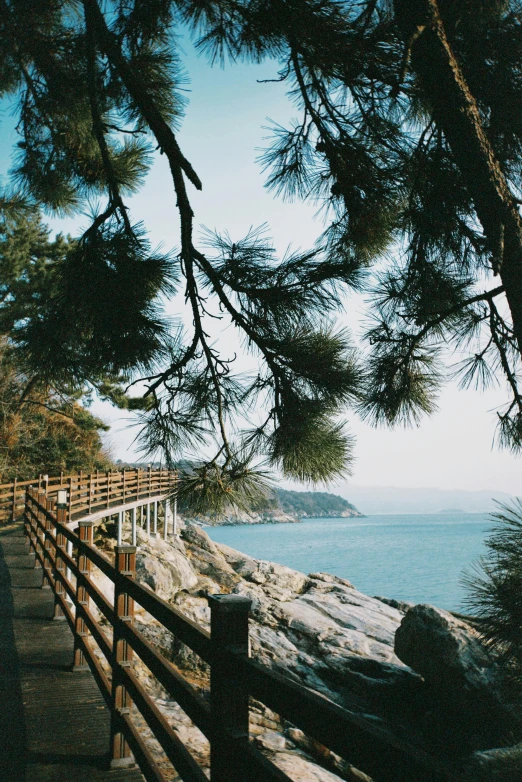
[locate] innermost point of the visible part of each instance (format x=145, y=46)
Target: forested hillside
x=314, y=503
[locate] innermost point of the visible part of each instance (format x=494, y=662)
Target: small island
x=452, y=510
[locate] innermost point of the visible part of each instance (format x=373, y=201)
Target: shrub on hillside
x=495, y=589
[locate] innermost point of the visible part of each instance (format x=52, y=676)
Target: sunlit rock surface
x=413, y=670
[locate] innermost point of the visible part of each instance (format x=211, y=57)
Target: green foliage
x=311, y=503
x=103, y=294
x=261, y=497
x=308, y=446
x=211, y=490
x=401, y=382
x=91, y=107
x=98, y=87
x=43, y=427
x=371, y=147
x=42, y=431
x=495, y=589
x=27, y=260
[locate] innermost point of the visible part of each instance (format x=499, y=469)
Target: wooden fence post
x=30, y=520
x=61, y=542
x=228, y=703
x=27, y=516
x=125, y=564
x=70, y=496
x=37, y=545
x=82, y=596
x=47, y=543
x=14, y=501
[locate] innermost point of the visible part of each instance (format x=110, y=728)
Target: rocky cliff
x=417, y=671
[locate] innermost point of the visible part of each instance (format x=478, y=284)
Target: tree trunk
x=456, y=112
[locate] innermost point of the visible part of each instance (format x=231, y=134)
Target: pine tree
x=494, y=590
x=43, y=431
x=44, y=427
x=97, y=89
x=409, y=135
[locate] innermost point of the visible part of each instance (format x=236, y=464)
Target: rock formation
x=418, y=671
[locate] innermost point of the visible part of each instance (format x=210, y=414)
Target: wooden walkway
x=54, y=724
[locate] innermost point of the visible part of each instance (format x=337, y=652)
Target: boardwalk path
x=54, y=725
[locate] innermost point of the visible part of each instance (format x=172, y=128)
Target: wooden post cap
x=125, y=549
x=230, y=604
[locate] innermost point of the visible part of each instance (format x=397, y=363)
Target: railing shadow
x=13, y=741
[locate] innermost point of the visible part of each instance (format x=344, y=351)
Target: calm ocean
x=419, y=558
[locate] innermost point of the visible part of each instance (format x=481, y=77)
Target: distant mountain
x=393, y=499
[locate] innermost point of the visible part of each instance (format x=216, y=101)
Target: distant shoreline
x=444, y=514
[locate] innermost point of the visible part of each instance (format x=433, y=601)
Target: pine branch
x=457, y=113
x=141, y=97
x=97, y=124
x=508, y=372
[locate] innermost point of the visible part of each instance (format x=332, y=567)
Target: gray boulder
x=199, y=539
x=164, y=568
x=207, y=559
x=464, y=684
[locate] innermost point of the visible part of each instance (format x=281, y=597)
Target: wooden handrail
x=234, y=676
x=88, y=493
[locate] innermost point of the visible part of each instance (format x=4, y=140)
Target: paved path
x=54, y=724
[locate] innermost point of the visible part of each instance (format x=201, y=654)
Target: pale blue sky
x=221, y=136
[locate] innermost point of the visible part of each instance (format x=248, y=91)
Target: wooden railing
x=68, y=558
x=88, y=492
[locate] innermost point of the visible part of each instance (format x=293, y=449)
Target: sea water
x=418, y=558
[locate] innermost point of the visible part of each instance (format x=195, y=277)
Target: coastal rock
x=272, y=517
x=402, y=605
x=243, y=565
x=199, y=539
x=298, y=766
x=442, y=648
x=164, y=568
x=418, y=672
x=462, y=678
x=272, y=740
x=319, y=752
x=301, y=626
x=327, y=578
x=318, y=629
x=207, y=559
